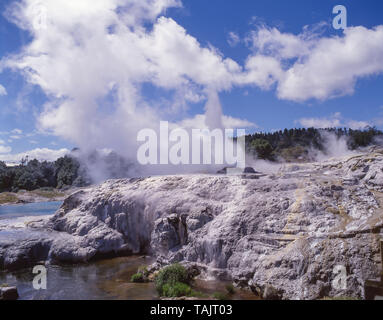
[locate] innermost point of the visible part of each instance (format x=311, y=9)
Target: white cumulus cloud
x=5, y=149
x=199, y=122
x=41, y=154
x=233, y=39
x=17, y=131
x=353, y=124
x=316, y=67
x=333, y=121
x=330, y=122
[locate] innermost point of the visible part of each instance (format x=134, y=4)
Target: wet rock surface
x=282, y=235
x=8, y=293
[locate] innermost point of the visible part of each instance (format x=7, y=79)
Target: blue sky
x=211, y=23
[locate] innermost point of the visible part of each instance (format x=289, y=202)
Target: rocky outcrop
x=8, y=293
x=288, y=235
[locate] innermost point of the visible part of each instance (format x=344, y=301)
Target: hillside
x=293, y=145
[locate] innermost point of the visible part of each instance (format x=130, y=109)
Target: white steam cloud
x=93, y=52
x=335, y=147
x=42, y=154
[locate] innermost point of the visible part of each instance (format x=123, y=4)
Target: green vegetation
x=62, y=174
x=177, y=289
x=294, y=144
x=173, y=282
x=138, y=278
x=143, y=270
x=262, y=148
x=7, y=198
x=45, y=176
x=170, y=276
x=141, y=275
x=48, y=194
x=20, y=197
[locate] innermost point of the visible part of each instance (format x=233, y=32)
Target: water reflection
x=102, y=280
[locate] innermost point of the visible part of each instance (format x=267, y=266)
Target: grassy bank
x=39, y=195
x=7, y=197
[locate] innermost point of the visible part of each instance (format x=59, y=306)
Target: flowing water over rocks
x=282, y=235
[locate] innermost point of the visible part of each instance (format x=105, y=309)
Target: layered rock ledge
x=285, y=233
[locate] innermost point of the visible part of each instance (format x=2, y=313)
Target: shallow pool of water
x=29, y=209
x=102, y=280
x=93, y=281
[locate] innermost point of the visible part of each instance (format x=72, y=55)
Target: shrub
x=230, y=289
x=262, y=147
x=137, y=278
x=170, y=276
x=176, y=290
x=143, y=270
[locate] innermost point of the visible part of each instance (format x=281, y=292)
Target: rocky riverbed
x=283, y=235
